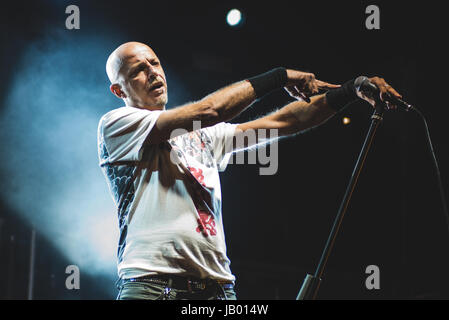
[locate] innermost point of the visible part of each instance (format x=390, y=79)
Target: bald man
x=162, y=168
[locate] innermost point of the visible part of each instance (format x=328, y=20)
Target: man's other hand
x=384, y=91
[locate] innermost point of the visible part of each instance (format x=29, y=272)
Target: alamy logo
x=372, y=22
x=266, y=150
x=373, y=280
x=261, y=144
x=73, y=280
x=73, y=20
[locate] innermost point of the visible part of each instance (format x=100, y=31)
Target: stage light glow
x=234, y=17
x=50, y=133
x=49, y=127
x=346, y=120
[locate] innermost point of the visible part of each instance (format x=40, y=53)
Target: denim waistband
x=178, y=282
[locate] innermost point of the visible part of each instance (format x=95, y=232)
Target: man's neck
x=151, y=108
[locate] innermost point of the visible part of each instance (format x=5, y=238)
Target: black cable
x=435, y=162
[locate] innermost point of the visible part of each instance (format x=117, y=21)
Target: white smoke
x=48, y=136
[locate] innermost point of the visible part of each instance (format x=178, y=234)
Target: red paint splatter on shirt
x=198, y=174
x=206, y=224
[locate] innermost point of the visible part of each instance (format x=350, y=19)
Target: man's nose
x=152, y=70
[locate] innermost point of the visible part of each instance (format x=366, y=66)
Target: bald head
x=118, y=58
x=137, y=76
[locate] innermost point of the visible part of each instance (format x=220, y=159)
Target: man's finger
x=315, y=87
x=292, y=91
x=309, y=88
x=302, y=95
x=393, y=92
x=326, y=85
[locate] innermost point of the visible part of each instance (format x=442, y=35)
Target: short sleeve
x=122, y=132
x=222, y=136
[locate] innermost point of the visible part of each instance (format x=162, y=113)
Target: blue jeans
x=143, y=290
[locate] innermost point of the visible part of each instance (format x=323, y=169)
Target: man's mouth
x=155, y=86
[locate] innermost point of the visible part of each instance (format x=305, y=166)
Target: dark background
x=276, y=226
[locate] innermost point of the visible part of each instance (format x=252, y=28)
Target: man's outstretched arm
x=294, y=117
x=228, y=102
x=300, y=115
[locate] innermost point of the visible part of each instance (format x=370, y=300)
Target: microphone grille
x=360, y=81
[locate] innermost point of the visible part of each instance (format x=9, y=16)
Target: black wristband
x=269, y=81
x=338, y=98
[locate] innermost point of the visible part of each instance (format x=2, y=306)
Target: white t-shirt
x=165, y=226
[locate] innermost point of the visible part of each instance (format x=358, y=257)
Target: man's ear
x=117, y=90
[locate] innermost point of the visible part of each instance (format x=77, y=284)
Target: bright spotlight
x=346, y=120
x=234, y=17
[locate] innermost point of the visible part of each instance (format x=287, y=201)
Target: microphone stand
x=311, y=284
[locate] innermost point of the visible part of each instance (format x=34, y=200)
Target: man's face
x=142, y=77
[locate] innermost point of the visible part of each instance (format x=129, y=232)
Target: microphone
x=369, y=89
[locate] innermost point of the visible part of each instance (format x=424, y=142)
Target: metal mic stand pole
x=311, y=283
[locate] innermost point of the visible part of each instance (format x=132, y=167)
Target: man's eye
x=136, y=72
